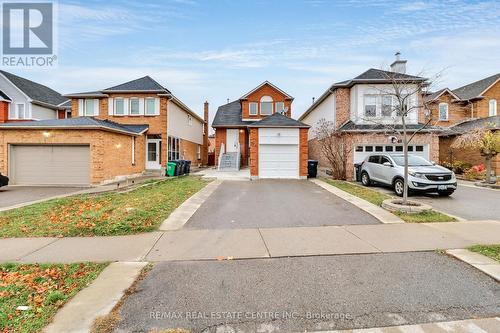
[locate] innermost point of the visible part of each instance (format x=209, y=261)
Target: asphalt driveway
x=275, y=203
x=309, y=293
x=14, y=195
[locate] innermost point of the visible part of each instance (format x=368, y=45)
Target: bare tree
x=335, y=146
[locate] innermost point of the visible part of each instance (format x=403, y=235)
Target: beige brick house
x=359, y=108
x=257, y=131
x=113, y=133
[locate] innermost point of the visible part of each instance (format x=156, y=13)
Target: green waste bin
x=171, y=169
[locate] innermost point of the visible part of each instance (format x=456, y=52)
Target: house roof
x=372, y=75
x=476, y=89
x=229, y=115
x=78, y=123
x=349, y=126
x=145, y=83
x=278, y=120
x=435, y=95
x=472, y=124
x=263, y=84
x=35, y=91
x=4, y=96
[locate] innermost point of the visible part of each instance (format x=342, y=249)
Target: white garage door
x=278, y=153
x=362, y=151
x=50, y=165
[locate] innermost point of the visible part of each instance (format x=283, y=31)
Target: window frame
x=146, y=113
x=117, y=99
x=365, y=98
x=266, y=100
x=277, y=108
x=190, y=120
x=133, y=99
x=492, y=107
x=447, y=112
x=391, y=105
x=173, y=148
x=250, y=108
x=85, y=107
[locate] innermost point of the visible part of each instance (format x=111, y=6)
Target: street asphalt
x=309, y=293
x=14, y=195
x=274, y=204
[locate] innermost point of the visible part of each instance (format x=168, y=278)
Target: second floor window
x=493, y=108
x=134, y=106
x=252, y=108
x=266, y=105
x=17, y=112
x=370, y=105
x=119, y=107
x=280, y=107
x=150, y=106
x=91, y=107
x=443, y=111
x=386, y=105
x=190, y=120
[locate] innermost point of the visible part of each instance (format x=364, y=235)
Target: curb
x=486, y=265
x=98, y=299
x=379, y=213
x=183, y=213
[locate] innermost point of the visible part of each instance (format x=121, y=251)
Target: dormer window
x=280, y=107
x=253, y=108
x=443, y=111
x=266, y=105
x=493, y=108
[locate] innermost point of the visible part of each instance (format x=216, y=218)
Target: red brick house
x=117, y=132
x=257, y=131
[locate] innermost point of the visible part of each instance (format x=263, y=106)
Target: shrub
x=458, y=167
x=477, y=172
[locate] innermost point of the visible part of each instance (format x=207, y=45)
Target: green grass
x=376, y=198
x=44, y=288
x=492, y=251
x=140, y=210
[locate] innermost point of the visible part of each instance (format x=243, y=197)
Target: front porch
x=241, y=174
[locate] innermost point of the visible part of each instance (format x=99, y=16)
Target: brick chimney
x=204, y=151
x=398, y=66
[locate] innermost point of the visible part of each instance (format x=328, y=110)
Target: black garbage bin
x=188, y=167
x=183, y=170
x=312, y=168
x=178, y=167
x=357, y=171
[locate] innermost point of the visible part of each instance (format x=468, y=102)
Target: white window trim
x=276, y=105
x=115, y=108
x=266, y=99
x=447, y=112
x=365, y=97
x=85, y=111
x=133, y=150
x=146, y=106
x=382, y=105
x=16, y=111
x=130, y=107
x=190, y=120
x=256, y=108
x=492, y=107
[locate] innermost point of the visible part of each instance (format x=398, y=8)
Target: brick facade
x=110, y=153
x=220, y=138
x=265, y=90
x=4, y=111
x=189, y=151
x=481, y=107
x=303, y=152
x=457, y=112
x=254, y=152
x=342, y=106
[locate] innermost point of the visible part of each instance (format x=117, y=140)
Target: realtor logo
x=28, y=29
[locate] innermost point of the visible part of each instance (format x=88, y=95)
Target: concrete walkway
x=252, y=243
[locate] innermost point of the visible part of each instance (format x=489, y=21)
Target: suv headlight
x=416, y=174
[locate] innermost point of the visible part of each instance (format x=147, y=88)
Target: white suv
x=423, y=176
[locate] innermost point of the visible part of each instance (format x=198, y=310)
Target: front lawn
x=492, y=251
x=41, y=290
x=376, y=198
x=140, y=210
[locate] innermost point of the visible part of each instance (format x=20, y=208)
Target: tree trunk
x=488, y=169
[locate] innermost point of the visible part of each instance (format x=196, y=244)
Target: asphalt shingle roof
x=35, y=91
x=145, y=83
x=229, y=115
x=474, y=89
x=352, y=127
x=4, y=96
x=473, y=124
x=377, y=74
x=278, y=120
x=84, y=122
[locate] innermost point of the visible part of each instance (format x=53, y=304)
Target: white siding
x=357, y=104
x=325, y=110
x=178, y=126
x=39, y=113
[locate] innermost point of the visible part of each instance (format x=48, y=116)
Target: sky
x=216, y=50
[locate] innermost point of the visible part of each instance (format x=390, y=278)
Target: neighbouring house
x=257, y=131
x=211, y=150
x=464, y=109
x=117, y=132
x=358, y=108
x=23, y=100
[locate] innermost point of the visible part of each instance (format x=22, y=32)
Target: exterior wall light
x=119, y=145
x=46, y=134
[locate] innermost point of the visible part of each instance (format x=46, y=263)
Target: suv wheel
x=365, y=179
x=399, y=186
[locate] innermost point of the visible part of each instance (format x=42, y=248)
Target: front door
x=232, y=139
x=153, y=154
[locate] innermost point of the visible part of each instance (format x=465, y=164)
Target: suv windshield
x=412, y=161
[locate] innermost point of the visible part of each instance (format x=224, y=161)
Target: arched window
x=443, y=111
x=493, y=107
x=266, y=105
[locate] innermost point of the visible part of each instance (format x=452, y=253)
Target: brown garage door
x=50, y=165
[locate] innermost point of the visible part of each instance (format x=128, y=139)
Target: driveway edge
x=98, y=299
x=379, y=213
x=183, y=213
x=486, y=265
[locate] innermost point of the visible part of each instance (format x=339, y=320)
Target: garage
x=362, y=151
x=50, y=164
x=279, y=153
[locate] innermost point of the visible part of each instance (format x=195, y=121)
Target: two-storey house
x=257, y=130
x=116, y=132
x=364, y=109
x=24, y=100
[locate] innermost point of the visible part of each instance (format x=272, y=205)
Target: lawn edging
x=379, y=213
x=97, y=300
x=376, y=198
x=486, y=265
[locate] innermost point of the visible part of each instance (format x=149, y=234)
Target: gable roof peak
x=145, y=83
x=271, y=85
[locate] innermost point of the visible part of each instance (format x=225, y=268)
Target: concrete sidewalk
x=252, y=243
